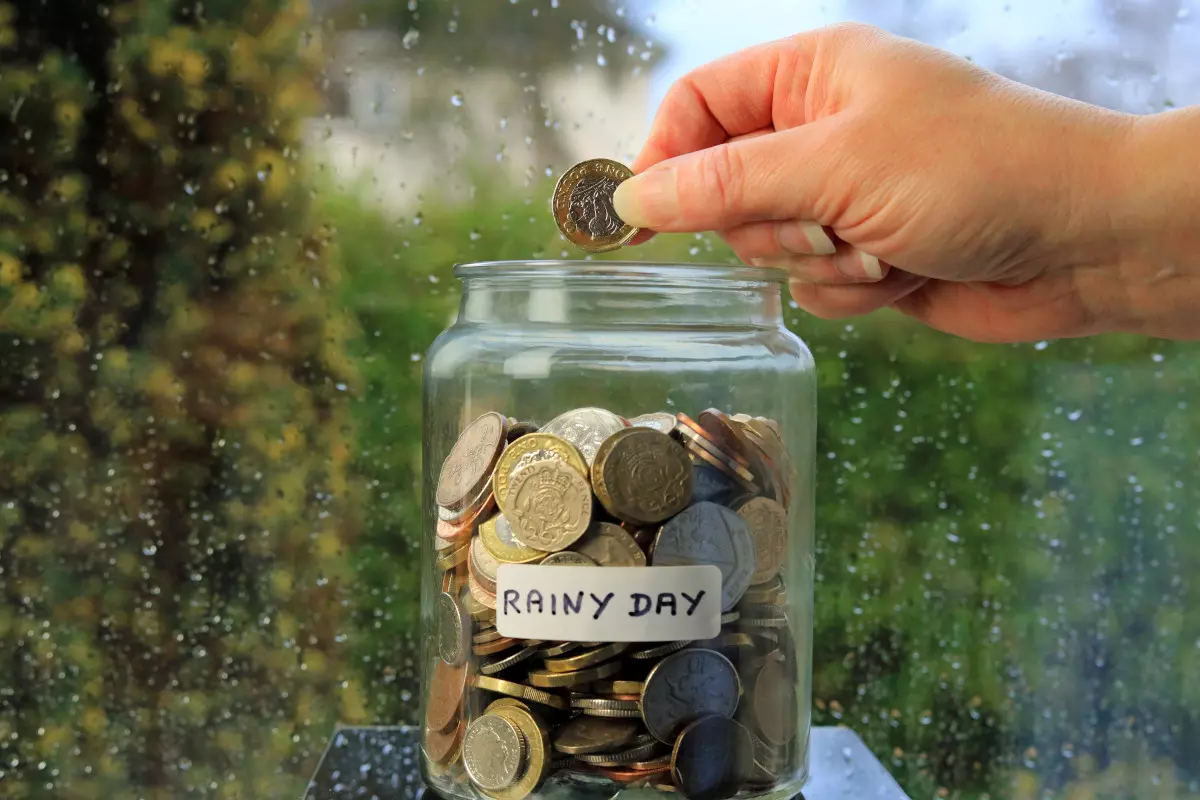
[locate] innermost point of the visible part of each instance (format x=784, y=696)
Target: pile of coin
x=705, y=719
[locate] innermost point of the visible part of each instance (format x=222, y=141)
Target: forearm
x=1155, y=220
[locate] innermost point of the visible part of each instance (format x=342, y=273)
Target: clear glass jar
x=656, y=417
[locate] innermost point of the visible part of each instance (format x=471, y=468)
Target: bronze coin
x=494, y=646
x=610, y=546
x=471, y=460
x=774, y=702
x=726, y=433
x=627, y=775
x=440, y=746
x=710, y=758
x=642, y=475
x=446, y=689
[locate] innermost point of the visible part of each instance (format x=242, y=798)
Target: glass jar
x=624, y=454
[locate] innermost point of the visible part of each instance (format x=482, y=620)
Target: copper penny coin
x=446, y=689
x=471, y=460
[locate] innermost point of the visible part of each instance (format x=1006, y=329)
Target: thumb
x=773, y=176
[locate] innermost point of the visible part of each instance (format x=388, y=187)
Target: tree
x=175, y=500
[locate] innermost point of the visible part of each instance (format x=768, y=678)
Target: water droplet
x=411, y=38
x=457, y=99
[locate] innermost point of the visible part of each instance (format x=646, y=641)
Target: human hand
x=975, y=204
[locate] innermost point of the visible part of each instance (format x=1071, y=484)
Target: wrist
x=1151, y=210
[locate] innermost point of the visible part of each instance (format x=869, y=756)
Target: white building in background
x=377, y=131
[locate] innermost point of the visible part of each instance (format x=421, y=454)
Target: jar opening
x=628, y=272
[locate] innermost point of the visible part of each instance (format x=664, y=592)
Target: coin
x=482, y=597
x=537, y=738
x=486, y=634
x=637, y=777
x=622, y=757
x=452, y=629
x=711, y=485
x=774, y=703
x=600, y=702
x=582, y=205
x=446, y=688
x=494, y=646
x=483, y=565
x=567, y=558
x=587, y=658
x=780, y=621
x=471, y=459
x=707, y=533
x=659, y=650
x=726, y=433
x=518, y=691
x=448, y=531
x=499, y=664
x=586, y=428
x=685, y=686
x=472, y=510
x=497, y=536
x=595, y=735
x=701, y=451
x=658, y=420
x=518, y=429
x=531, y=449
x=642, y=475
x=493, y=752
x=610, y=711
x=618, y=687
x=453, y=558
x=440, y=746
x=610, y=546
x=479, y=611
x=550, y=506
x=767, y=522
x=549, y=680
x=710, y=757
x=559, y=649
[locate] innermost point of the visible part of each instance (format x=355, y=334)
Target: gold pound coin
x=494, y=752
x=582, y=205
x=529, y=450
x=519, y=691
x=552, y=680
x=587, y=658
x=497, y=537
x=537, y=737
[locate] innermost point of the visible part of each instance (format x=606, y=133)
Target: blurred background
x=226, y=235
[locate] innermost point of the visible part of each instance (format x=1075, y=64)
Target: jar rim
x=658, y=272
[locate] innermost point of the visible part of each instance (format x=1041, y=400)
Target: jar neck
x=620, y=299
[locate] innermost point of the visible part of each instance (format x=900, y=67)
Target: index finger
x=739, y=94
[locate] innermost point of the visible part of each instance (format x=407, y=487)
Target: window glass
x=226, y=233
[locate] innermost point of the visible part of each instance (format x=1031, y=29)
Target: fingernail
x=648, y=200
x=861, y=265
x=806, y=238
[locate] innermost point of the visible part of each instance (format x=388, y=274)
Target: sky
x=698, y=31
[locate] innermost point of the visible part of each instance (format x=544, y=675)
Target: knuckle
x=722, y=175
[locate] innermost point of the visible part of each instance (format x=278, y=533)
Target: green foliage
x=176, y=498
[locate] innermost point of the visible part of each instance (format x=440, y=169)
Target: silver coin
x=710, y=485
x=658, y=420
x=452, y=629
x=707, y=533
x=500, y=664
x=685, y=687
x=567, y=558
x=586, y=428
x=493, y=752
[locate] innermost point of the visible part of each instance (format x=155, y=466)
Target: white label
x=608, y=604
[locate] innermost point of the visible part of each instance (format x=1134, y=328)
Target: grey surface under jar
x=533, y=340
